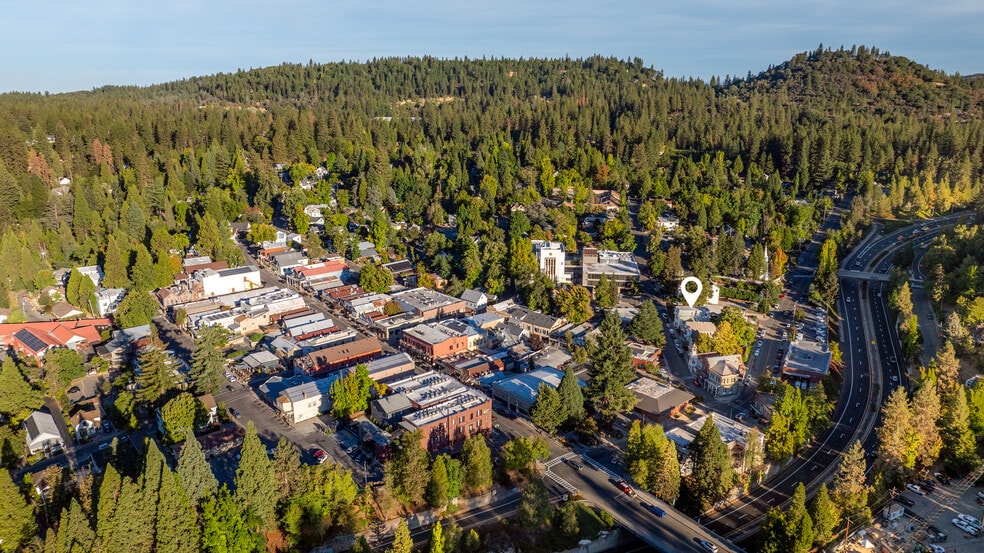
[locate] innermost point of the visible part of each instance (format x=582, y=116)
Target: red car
x=624, y=486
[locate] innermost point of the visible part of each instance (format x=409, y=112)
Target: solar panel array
x=30, y=340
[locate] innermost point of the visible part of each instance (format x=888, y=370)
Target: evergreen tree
x=849, y=490
x=114, y=266
x=181, y=415
x=897, y=439
x=926, y=412
x=825, y=517
x=646, y=326
x=17, y=524
x=456, y=475
x=534, y=505
x=256, y=484
x=606, y=293
x=402, y=542
x=548, y=411
x=477, y=463
x=571, y=395
x=611, y=369
x=798, y=523
x=142, y=271
x=756, y=263
x=154, y=378
x=959, y=445
x=473, y=542
x=437, y=487
x=136, y=309
x=406, y=472
x=436, y=544
x=975, y=407
x=227, y=527
x=75, y=533
x=195, y=473
x=106, y=502
x=207, y=361
x=712, y=474
x=177, y=524
x=286, y=467
x=18, y=398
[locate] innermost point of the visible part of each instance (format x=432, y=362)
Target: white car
x=914, y=488
x=975, y=522
x=936, y=548
x=962, y=524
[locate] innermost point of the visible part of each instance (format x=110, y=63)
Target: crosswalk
x=560, y=459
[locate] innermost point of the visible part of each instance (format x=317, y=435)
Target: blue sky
x=65, y=45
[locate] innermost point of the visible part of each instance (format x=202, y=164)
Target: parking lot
x=940, y=506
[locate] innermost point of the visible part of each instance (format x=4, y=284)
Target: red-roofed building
x=33, y=340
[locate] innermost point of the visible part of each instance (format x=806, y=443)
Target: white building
x=94, y=272
x=229, y=281
x=551, y=258
x=306, y=401
x=108, y=299
x=42, y=433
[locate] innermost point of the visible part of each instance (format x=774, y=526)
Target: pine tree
x=402, y=542
x=548, y=411
x=207, y=362
x=477, y=461
x=286, y=467
x=437, y=538
x=406, y=472
x=571, y=395
x=195, y=474
x=228, y=527
x=959, y=445
x=142, y=271
x=106, y=502
x=114, y=266
x=646, y=326
x=897, y=440
x=712, y=474
x=606, y=293
x=437, y=487
x=154, y=378
x=798, y=523
x=256, y=484
x=177, y=524
x=18, y=398
x=611, y=369
x=181, y=415
x=825, y=518
x=75, y=533
x=849, y=490
x=17, y=524
x=534, y=505
x=473, y=542
x=926, y=412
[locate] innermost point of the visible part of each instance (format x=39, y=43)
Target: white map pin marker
x=691, y=297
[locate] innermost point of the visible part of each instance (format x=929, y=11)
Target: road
x=867, y=341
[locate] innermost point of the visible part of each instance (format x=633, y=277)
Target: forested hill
x=866, y=78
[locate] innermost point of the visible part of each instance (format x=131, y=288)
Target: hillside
x=865, y=78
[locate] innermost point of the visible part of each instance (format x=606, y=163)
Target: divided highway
x=872, y=368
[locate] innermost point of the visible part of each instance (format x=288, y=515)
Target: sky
x=67, y=45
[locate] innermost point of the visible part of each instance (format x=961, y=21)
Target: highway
x=872, y=368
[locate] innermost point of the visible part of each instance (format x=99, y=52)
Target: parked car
x=904, y=500
x=914, y=488
x=942, y=478
x=74, y=390
x=965, y=526
x=976, y=523
x=234, y=413
x=320, y=456
x=574, y=464
x=928, y=485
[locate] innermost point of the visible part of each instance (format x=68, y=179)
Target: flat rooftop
x=468, y=400
x=425, y=299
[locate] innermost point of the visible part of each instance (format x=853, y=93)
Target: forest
x=495, y=151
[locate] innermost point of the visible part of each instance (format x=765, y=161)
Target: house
x=606, y=200
x=367, y=250
x=721, y=374
x=668, y=222
x=260, y=361
x=390, y=409
x=531, y=321
x=33, y=340
x=644, y=356
x=211, y=408
x=108, y=299
x=400, y=268
x=119, y=349
x=86, y=417
x=42, y=433
x=64, y=310
x=475, y=300
x=94, y=272
x=306, y=401
x=551, y=259
x=620, y=267
x=226, y=438
x=658, y=401
x=282, y=262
